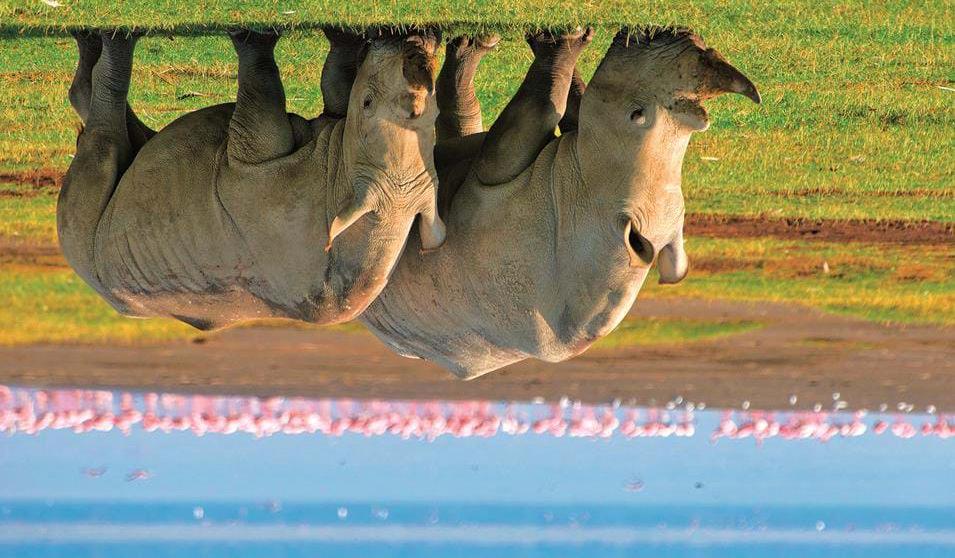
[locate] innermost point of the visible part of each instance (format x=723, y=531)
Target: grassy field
x=858, y=122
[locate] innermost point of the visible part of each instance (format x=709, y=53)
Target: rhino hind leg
x=90, y=46
x=459, y=109
x=260, y=129
x=529, y=120
x=103, y=153
x=339, y=70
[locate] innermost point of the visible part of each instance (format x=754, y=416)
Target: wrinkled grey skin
x=550, y=238
x=243, y=210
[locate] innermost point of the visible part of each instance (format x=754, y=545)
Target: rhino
x=550, y=237
x=242, y=210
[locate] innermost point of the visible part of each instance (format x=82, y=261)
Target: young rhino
x=550, y=239
x=242, y=210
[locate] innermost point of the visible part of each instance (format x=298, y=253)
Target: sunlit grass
x=856, y=121
x=27, y=214
x=42, y=305
x=886, y=283
x=659, y=331
x=856, y=21
x=55, y=306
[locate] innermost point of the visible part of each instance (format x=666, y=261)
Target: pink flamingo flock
x=822, y=426
x=31, y=411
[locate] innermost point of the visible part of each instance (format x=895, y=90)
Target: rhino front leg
x=90, y=46
x=530, y=118
x=460, y=110
x=340, y=69
x=260, y=129
x=103, y=153
x=572, y=113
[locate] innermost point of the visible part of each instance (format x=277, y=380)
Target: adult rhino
x=243, y=210
x=550, y=238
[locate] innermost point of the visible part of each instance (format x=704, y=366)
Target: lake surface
x=93, y=473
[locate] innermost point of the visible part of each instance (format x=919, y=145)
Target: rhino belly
x=164, y=246
x=465, y=353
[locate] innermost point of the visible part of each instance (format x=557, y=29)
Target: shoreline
x=800, y=352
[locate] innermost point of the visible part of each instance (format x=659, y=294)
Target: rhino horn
x=672, y=262
x=431, y=228
x=725, y=78
x=362, y=203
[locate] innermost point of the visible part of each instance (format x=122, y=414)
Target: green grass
x=27, y=214
x=203, y=16
x=855, y=123
x=658, y=331
x=54, y=306
x=884, y=283
x=858, y=122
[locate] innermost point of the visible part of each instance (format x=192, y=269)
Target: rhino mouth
x=691, y=112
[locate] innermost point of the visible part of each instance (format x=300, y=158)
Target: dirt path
x=801, y=352
x=831, y=230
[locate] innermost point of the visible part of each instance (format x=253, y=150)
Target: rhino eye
x=640, y=246
x=638, y=117
x=367, y=102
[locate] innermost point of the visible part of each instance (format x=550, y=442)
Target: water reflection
x=155, y=475
x=30, y=411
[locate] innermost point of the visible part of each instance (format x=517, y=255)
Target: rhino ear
x=672, y=262
x=362, y=203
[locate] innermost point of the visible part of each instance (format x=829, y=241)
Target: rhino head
x=636, y=118
x=637, y=114
x=390, y=136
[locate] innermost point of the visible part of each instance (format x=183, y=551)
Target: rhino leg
x=338, y=73
x=460, y=110
x=569, y=121
x=260, y=129
x=103, y=153
x=139, y=133
x=90, y=46
x=528, y=121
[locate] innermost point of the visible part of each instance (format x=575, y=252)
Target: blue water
x=303, y=529
x=149, y=493
x=758, y=517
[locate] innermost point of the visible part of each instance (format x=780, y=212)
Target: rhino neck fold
x=629, y=165
x=348, y=137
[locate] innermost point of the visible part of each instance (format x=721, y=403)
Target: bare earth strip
x=854, y=230
x=38, y=178
x=28, y=252
x=800, y=352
